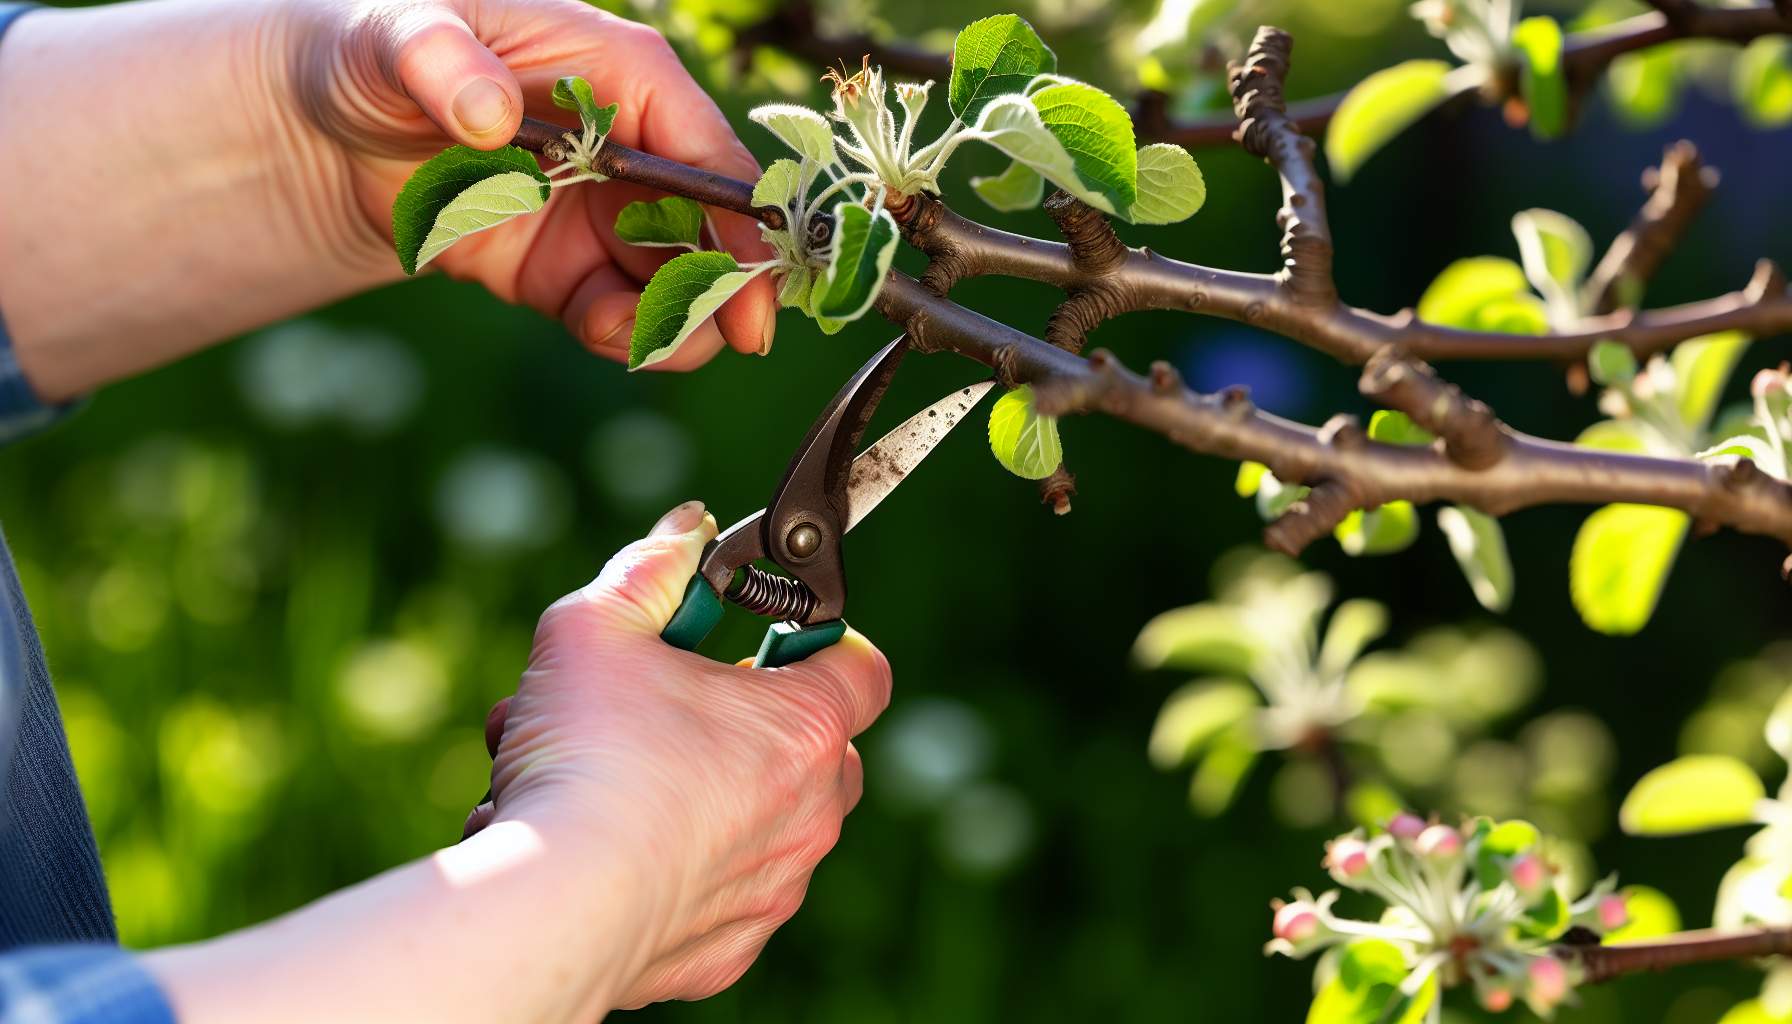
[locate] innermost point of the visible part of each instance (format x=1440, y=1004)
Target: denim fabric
x=78, y=984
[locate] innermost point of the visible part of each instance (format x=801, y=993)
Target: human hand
x=384, y=80
x=724, y=784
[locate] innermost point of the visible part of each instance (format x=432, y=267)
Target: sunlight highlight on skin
x=499, y=848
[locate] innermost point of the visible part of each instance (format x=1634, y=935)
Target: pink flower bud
x=1529, y=874
x=1295, y=922
x=1614, y=913
x=1548, y=981
x=1439, y=841
x=1496, y=1000
x=1405, y=825
x=1765, y=381
x=1347, y=857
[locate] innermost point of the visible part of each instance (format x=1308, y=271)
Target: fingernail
x=767, y=330
x=682, y=519
x=618, y=337
x=481, y=106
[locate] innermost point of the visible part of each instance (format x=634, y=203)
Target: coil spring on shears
x=771, y=595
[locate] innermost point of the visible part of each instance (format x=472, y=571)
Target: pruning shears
x=826, y=491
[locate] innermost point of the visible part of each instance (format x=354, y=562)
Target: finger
x=601, y=314
x=480, y=817
x=852, y=676
x=852, y=778
x=462, y=86
x=494, y=725
x=643, y=584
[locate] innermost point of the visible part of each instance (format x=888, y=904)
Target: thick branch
x=1603, y=963
x=1678, y=190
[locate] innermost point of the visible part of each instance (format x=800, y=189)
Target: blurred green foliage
x=280, y=583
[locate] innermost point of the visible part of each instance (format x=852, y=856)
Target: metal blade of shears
x=879, y=468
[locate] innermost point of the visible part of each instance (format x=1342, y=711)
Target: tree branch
x=1678, y=189
x=1603, y=963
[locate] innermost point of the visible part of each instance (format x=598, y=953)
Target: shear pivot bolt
x=803, y=540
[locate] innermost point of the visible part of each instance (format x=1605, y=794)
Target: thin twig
x=1603, y=963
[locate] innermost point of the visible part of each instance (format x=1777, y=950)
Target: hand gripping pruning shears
x=826, y=491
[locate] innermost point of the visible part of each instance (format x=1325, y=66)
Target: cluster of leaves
x=1271, y=681
x=1495, y=45
x=1480, y=904
x=1698, y=792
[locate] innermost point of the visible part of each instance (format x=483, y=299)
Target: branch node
x=1056, y=490
x=1003, y=364
x=1343, y=432
x=1094, y=247
x=1164, y=378
x=1768, y=282
x=1470, y=431
x=1235, y=401
x=1310, y=518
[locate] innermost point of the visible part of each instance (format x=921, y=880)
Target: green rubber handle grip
x=697, y=614
x=787, y=643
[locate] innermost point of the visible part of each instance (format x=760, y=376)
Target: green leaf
x=1381, y=107
x=1390, y=427
x=1170, y=185
x=1763, y=81
x=1614, y=436
x=991, y=57
x=1556, y=253
x=1097, y=133
x=1013, y=125
x=1499, y=843
x=1366, y=989
x=1645, y=86
x=1480, y=549
x=1702, y=367
x=1250, y=478
x=679, y=297
x=1197, y=638
x=574, y=93
x=1197, y=714
x=1652, y=915
x=1751, y=1011
x=1460, y=295
x=1018, y=188
x=1216, y=782
x=864, y=246
x=780, y=185
x=800, y=128
x=1548, y=918
x=1779, y=727
x=672, y=221
x=1611, y=364
x=1620, y=563
x=1381, y=531
x=460, y=191
x=1354, y=625
x=1692, y=794
x=793, y=289
x=1025, y=443
x=1542, y=81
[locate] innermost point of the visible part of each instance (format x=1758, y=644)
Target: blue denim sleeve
x=78, y=984
x=21, y=411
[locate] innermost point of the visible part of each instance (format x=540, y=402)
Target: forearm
x=486, y=930
x=162, y=193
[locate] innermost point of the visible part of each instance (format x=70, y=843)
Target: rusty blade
x=879, y=468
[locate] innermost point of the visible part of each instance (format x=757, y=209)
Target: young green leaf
x=1556, y=253
x=780, y=185
x=1614, y=436
x=1645, y=86
x=1702, y=367
x=1380, y=531
x=1024, y=442
x=1018, y=188
x=1366, y=989
x=800, y=128
x=864, y=246
x=574, y=93
x=1197, y=638
x=1651, y=912
x=1391, y=427
x=1480, y=549
x=1097, y=133
x=1381, y=107
x=1196, y=715
x=991, y=57
x=793, y=290
x=1250, y=478
x=1222, y=772
x=679, y=297
x=458, y=192
x=672, y=221
x=1763, y=81
x=1692, y=794
x=1476, y=292
x=1013, y=124
x=1620, y=564
x=1170, y=185
x=1611, y=364
x=1542, y=81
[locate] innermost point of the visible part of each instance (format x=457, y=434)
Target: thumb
x=463, y=87
x=643, y=584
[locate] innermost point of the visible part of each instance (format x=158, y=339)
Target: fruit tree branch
x=1602, y=963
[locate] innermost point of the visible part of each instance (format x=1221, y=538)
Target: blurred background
x=280, y=584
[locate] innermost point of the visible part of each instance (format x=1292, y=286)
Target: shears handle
x=785, y=643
